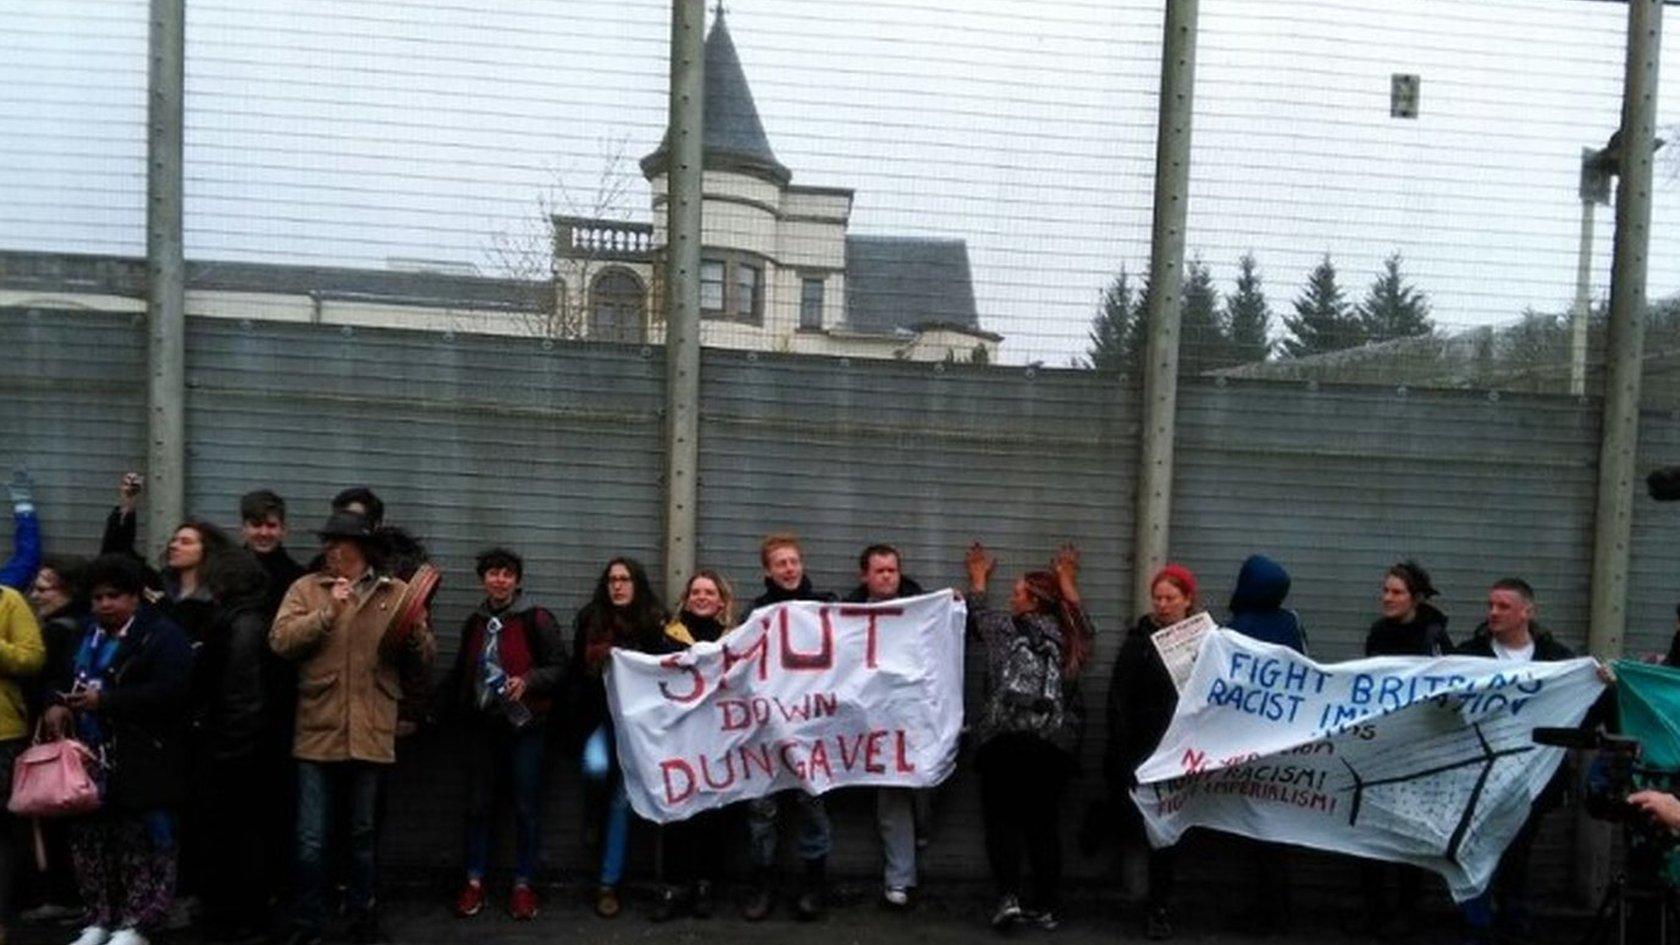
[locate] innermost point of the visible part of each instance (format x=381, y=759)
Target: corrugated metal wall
x=555, y=450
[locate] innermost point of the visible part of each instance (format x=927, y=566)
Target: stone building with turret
x=779, y=270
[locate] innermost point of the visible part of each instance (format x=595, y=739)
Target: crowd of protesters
x=245, y=708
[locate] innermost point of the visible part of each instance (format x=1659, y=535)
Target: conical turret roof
x=734, y=138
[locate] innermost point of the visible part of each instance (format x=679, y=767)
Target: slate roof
x=120, y=275
x=908, y=283
x=734, y=138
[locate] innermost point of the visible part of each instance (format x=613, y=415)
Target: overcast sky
x=359, y=133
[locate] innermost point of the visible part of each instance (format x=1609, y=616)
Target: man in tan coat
x=333, y=624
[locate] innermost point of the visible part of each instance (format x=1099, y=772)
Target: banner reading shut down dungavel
x=803, y=695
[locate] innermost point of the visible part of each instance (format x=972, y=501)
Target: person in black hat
x=334, y=626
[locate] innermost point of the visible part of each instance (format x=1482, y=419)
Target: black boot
x=813, y=892
x=761, y=896
x=702, y=905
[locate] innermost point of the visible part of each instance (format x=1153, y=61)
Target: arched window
x=617, y=307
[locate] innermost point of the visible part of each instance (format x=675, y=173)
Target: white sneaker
x=897, y=896
x=93, y=935
x=129, y=936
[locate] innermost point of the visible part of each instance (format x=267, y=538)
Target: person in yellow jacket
x=21, y=655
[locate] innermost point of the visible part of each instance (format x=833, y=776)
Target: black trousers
x=236, y=858
x=1022, y=780
x=697, y=848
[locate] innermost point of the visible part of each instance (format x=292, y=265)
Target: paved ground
x=415, y=919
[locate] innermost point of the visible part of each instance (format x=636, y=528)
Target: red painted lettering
x=760, y=649
x=736, y=715
x=674, y=795
x=756, y=756
x=872, y=749
x=826, y=703
x=903, y=761
x=819, y=760
x=871, y=614
x=822, y=658
x=1193, y=760
x=671, y=662
x=728, y=773
x=849, y=759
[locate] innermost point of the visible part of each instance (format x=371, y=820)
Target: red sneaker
x=470, y=902
x=522, y=905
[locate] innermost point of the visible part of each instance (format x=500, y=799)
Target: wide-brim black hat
x=346, y=525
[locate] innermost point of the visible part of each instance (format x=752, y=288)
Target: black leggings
x=1022, y=779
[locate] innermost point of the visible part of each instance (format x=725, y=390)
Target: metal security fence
x=553, y=449
x=1188, y=279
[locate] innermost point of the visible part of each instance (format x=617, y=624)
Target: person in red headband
x=1141, y=702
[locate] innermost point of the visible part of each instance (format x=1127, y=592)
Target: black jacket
x=1141, y=702
x=589, y=691
x=1426, y=635
x=231, y=664
x=142, y=712
x=775, y=594
x=907, y=587
x=544, y=683
x=1546, y=648
x=282, y=572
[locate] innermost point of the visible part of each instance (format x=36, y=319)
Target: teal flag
x=1649, y=698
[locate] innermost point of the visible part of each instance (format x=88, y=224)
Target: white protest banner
x=1179, y=643
x=1429, y=761
x=802, y=695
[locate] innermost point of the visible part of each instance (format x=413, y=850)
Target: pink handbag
x=52, y=779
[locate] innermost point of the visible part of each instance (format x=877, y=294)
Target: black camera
x=1613, y=772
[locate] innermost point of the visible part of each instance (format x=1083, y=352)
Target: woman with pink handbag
x=126, y=701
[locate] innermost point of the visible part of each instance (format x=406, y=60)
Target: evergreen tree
x=1202, y=342
x=1116, y=329
x=1248, y=317
x=1323, y=319
x=1393, y=309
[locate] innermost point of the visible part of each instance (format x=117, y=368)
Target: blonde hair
x=726, y=614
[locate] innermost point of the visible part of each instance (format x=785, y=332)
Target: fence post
x=1624, y=360
x=1166, y=276
x=166, y=273
x=682, y=292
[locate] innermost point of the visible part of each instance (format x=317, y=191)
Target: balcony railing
x=583, y=238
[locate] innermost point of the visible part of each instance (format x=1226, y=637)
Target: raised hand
x=980, y=564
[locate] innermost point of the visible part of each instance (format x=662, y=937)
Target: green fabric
x=1649, y=699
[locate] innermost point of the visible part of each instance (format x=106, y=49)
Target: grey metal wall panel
x=1654, y=581
x=72, y=410
x=1337, y=484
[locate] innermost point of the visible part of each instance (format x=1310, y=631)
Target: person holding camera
x=1662, y=807
x=1511, y=633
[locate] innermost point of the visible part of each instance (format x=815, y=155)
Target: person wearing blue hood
x=1257, y=611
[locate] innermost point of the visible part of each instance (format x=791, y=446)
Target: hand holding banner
x=804, y=695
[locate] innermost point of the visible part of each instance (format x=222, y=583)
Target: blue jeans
x=517, y=754
x=615, y=840
x=319, y=783
x=815, y=834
